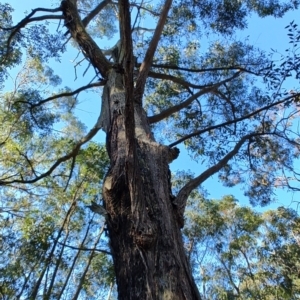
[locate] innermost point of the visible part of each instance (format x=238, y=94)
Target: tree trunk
x=143, y=224
x=144, y=230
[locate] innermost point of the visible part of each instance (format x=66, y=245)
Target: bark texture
x=143, y=224
x=145, y=235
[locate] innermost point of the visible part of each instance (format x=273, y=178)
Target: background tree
x=237, y=253
x=158, y=88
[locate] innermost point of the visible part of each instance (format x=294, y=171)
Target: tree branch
x=65, y=94
x=84, y=248
x=171, y=110
x=174, y=67
x=48, y=257
x=94, y=12
x=146, y=64
x=183, y=194
x=166, y=113
x=28, y=19
x=85, y=270
x=156, y=14
x=201, y=131
x=142, y=29
x=84, y=40
x=175, y=79
x=71, y=268
x=62, y=159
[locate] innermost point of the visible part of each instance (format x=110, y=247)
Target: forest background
x=64, y=257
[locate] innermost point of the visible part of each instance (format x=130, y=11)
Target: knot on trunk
x=173, y=154
x=145, y=236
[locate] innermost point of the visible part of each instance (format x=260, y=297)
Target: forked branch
x=28, y=19
x=77, y=29
x=169, y=111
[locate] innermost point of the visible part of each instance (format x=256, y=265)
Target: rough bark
x=143, y=224
x=146, y=241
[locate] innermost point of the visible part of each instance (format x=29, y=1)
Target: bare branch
x=71, y=268
x=154, y=13
x=142, y=29
x=111, y=50
x=166, y=113
x=82, y=278
x=71, y=172
x=177, y=80
x=238, y=68
x=171, y=110
x=146, y=64
x=28, y=161
x=48, y=258
x=28, y=18
x=201, y=131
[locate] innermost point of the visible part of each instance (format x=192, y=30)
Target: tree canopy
x=187, y=77
x=238, y=253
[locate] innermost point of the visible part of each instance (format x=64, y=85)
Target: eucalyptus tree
x=159, y=85
x=237, y=253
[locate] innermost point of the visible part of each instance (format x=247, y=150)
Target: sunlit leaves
x=26, y=118
x=39, y=225
x=224, y=16
x=242, y=254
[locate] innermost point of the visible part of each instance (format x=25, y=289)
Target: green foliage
x=237, y=253
x=53, y=247
x=48, y=229
x=10, y=55
x=103, y=25
x=48, y=235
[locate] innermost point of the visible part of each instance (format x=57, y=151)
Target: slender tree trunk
x=146, y=241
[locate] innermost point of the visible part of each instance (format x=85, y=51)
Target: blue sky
x=264, y=33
